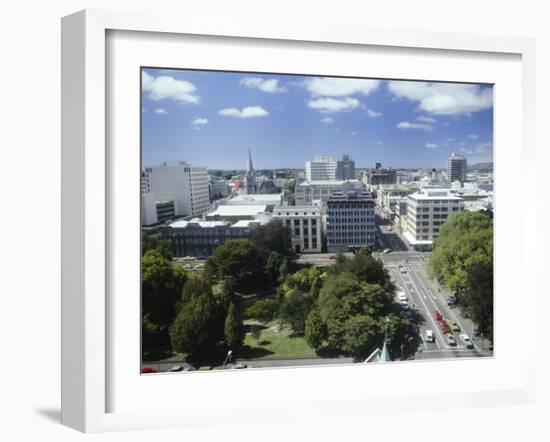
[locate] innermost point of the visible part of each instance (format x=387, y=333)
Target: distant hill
x=481, y=166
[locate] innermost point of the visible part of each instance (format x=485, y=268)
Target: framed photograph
x=294, y=223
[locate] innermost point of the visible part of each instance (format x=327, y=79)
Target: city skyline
x=214, y=118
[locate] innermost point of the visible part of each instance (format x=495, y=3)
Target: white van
x=430, y=336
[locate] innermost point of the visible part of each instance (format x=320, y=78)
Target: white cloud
x=421, y=126
x=473, y=136
x=444, y=98
x=247, y=112
x=328, y=105
x=425, y=119
x=373, y=114
x=379, y=142
x=340, y=87
x=431, y=145
x=484, y=148
x=271, y=85
x=165, y=87
x=327, y=120
x=353, y=133
x=199, y=121
x=161, y=111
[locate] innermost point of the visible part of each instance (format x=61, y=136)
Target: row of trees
x=462, y=261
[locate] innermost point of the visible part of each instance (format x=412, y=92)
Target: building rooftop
x=352, y=195
x=238, y=210
x=181, y=224
x=244, y=199
x=434, y=194
x=327, y=182
x=296, y=208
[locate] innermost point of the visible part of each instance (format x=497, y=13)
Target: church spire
x=250, y=175
x=249, y=166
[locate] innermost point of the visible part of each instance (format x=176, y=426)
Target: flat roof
x=412, y=240
x=238, y=210
x=260, y=197
x=181, y=224
x=327, y=182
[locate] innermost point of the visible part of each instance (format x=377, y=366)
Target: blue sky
x=213, y=118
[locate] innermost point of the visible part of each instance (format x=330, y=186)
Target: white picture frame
x=87, y=206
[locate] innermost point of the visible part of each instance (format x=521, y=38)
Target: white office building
x=180, y=182
x=305, y=224
x=426, y=211
x=322, y=168
x=309, y=191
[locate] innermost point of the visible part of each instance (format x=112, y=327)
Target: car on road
x=404, y=305
x=437, y=315
x=454, y=326
x=198, y=266
x=386, y=251
x=466, y=340
x=444, y=327
x=332, y=257
x=430, y=337
x=188, y=258
x=402, y=269
x=147, y=370
x=450, y=339
x=401, y=295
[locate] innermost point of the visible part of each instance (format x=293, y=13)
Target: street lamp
x=229, y=353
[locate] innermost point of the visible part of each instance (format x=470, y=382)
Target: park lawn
x=278, y=345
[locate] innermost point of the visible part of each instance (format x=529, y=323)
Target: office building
x=309, y=191
x=456, y=169
x=186, y=186
x=380, y=176
x=322, y=168
x=305, y=225
x=350, y=221
x=345, y=168
x=427, y=210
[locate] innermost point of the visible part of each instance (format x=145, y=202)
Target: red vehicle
x=444, y=327
x=147, y=370
x=332, y=257
x=437, y=315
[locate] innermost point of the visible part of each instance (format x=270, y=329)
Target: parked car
x=454, y=326
x=404, y=305
x=430, y=337
x=386, y=251
x=147, y=370
x=402, y=269
x=450, y=339
x=332, y=257
x=437, y=315
x=466, y=340
x=188, y=258
x=401, y=295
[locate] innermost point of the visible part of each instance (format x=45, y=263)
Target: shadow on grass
x=249, y=327
x=248, y=352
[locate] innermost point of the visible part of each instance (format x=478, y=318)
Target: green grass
x=275, y=344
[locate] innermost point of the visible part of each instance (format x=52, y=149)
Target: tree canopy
x=273, y=237
x=462, y=261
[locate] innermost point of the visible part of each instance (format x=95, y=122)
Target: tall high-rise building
x=350, y=221
x=177, y=181
x=250, y=176
x=322, y=168
x=345, y=168
x=456, y=168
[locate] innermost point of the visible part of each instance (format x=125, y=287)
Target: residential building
x=427, y=210
x=456, y=169
x=305, y=224
x=345, y=168
x=350, y=221
x=180, y=182
x=322, y=168
x=309, y=191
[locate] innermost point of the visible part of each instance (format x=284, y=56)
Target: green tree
x=462, y=261
x=198, y=326
x=163, y=246
x=161, y=285
x=273, y=237
x=316, y=331
x=256, y=333
x=239, y=261
x=263, y=309
x=233, y=328
x=294, y=310
x=273, y=266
